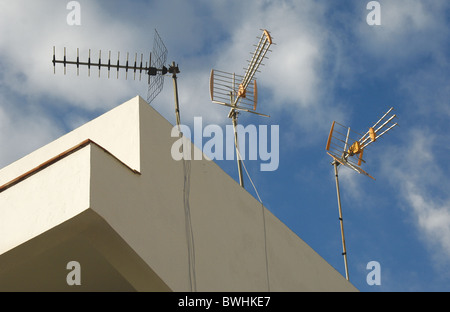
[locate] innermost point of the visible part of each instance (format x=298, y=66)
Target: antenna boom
x=225, y=90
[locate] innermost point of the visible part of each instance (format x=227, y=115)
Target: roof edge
x=57, y=158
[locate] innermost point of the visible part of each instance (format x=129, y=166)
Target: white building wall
x=45, y=199
x=116, y=130
x=230, y=240
x=237, y=244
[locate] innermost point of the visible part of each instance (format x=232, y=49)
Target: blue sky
x=328, y=64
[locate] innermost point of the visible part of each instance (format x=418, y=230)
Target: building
x=110, y=197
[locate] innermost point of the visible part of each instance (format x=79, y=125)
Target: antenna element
x=346, y=147
x=154, y=68
x=240, y=93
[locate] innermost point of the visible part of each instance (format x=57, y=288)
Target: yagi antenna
x=137, y=67
x=158, y=60
x=240, y=93
x=347, y=147
x=154, y=67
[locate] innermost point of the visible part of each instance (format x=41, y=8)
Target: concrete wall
x=44, y=200
x=233, y=234
x=117, y=131
x=237, y=245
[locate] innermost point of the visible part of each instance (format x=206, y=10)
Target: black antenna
x=155, y=68
x=156, y=82
x=141, y=67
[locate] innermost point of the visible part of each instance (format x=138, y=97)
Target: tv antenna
x=240, y=93
x=346, y=147
x=155, y=68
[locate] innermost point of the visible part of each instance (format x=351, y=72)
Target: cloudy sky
x=328, y=64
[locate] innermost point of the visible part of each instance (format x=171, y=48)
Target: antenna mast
x=155, y=69
x=343, y=145
x=240, y=93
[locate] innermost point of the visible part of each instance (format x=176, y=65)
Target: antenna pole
x=174, y=71
x=344, y=249
x=233, y=114
x=240, y=99
x=236, y=143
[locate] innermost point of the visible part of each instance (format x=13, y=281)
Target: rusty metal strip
x=56, y=159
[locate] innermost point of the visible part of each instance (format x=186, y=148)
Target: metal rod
x=175, y=89
x=363, y=143
x=381, y=134
x=236, y=143
x=385, y=131
x=64, y=60
x=344, y=249
x=376, y=124
x=387, y=121
x=149, y=65
x=346, y=143
x=233, y=116
x=383, y=117
x=118, y=58
x=54, y=59
x=239, y=108
x=99, y=62
x=126, y=67
x=109, y=63
x=380, y=128
x=135, y=59
x=140, y=70
x=259, y=54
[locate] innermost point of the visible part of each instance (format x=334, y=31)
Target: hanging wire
x=264, y=220
x=188, y=223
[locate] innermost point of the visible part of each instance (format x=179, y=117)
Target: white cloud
x=429, y=91
x=29, y=30
x=293, y=78
x=293, y=72
x=23, y=130
x=409, y=29
x=423, y=186
x=433, y=219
